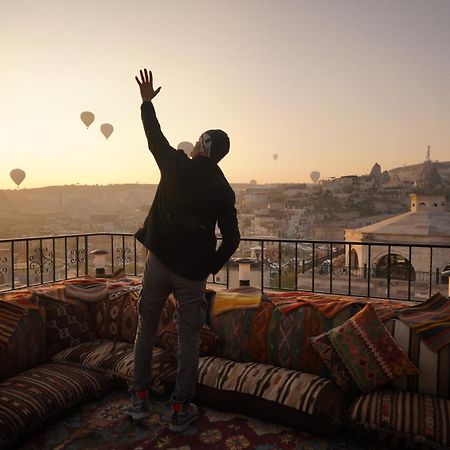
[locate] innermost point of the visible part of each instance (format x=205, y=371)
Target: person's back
x=192, y=197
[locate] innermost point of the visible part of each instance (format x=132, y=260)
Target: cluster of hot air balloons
x=88, y=118
x=17, y=175
x=314, y=175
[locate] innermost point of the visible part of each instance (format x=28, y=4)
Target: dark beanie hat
x=220, y=144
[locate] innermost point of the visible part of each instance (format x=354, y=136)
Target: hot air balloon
x=315, y=175
x=275, y=157
x=87, y=117
x=187, y=147
x=106, y=129
x=17, y=175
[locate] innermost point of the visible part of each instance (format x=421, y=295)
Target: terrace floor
x=103, y=425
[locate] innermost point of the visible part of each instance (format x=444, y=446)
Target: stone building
x=426, y=223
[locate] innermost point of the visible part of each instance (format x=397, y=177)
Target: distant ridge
x=79, y=199
x=410, y=173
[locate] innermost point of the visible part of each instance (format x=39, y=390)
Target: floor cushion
x=402, y=419
x=67, y=324
x=116, y=317
x=26, y=347
x=304, y=401
x=116, y=358
x=28, y=400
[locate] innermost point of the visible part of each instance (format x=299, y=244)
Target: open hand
x=146, y=85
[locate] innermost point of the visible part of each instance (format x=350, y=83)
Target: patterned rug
x=103, y=425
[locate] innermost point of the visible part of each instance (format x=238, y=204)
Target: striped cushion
x=116, y=358
x=26, y=347
x=299, y=399
x=29, y=399
x=406, y=415
x=434, y=367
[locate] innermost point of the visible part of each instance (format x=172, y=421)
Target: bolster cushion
x=116, y=358
x=403, y=419
x=301, y=400
x=26, y=348
x=32, y=398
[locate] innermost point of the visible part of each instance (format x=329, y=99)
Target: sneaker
x=181, y=420
x=139, y=408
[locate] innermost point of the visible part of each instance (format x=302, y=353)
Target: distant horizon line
x=411, y=166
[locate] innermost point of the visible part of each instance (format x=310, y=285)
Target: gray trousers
x=157, y=283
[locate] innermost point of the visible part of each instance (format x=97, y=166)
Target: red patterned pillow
x=361, y=354
x=116, y=317
x=209, y=340
x=168, y=313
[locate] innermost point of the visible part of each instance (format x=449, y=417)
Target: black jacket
x=193, y=196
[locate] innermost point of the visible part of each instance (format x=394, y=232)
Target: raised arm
x=157, y=143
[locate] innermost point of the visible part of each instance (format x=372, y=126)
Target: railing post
x=262, y=266
x=12, y=266
x=365, y=271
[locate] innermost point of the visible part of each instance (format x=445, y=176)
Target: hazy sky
x=328, y=85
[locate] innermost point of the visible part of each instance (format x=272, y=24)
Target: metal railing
x=368, y=269
x=31, y=261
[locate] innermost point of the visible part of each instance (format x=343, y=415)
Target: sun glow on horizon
x=327, y=87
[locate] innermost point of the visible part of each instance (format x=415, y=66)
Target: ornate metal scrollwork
x=42, y=260
x=123, y=255
x=3, y=264
x=78, y=256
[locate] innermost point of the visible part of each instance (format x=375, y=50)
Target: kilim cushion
x=66, y=325
x=168, y=313
x=116, y=317
x=401, y=419
x=361, y=354
x=129, y=318
x=26, y=347
x=209, y=341
x=34, y=396
x=116, y=358
x=301, y=400
x=268, y=336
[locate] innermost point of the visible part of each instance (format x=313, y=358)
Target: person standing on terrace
x=193, y=196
